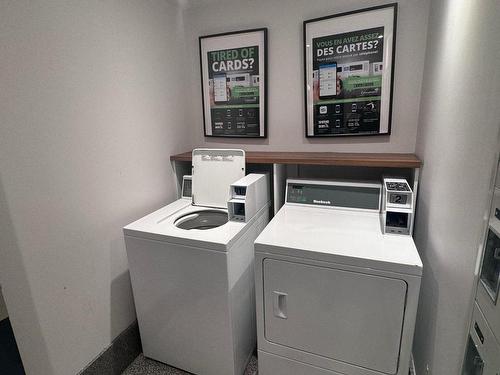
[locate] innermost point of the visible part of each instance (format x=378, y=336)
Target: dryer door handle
x=279, y=304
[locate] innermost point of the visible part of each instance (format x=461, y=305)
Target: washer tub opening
x=202, y=220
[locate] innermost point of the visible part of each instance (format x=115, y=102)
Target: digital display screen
x=398, y=198
x=240, y=190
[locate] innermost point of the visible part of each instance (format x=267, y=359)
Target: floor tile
x=146, y=366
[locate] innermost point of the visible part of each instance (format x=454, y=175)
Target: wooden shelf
x=347, y=159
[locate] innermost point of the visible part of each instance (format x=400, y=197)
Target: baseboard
x=118, y=356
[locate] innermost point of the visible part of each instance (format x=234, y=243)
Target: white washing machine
x=334, y=294
x=192, y=269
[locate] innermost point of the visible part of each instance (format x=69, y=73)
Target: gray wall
x=457, y=141
x=285, y=85
x=91, y=112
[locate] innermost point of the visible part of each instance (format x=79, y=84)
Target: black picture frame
x=263, y=103
x=307, y=75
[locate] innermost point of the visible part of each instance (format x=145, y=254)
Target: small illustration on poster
x=234, y=91
x=347, y=82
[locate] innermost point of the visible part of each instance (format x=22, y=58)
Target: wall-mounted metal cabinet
x=482, y=355
x=490, y=310
x=490, y=270
x=474, y=364
x=483, y=351
x=488, y=289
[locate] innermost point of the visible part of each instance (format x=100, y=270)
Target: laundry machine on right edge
x=338, y=280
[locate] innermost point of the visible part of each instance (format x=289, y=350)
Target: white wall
x=285, y=82
x=91, y=111
x=457, y=141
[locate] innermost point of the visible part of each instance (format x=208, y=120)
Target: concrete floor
x=146, y=366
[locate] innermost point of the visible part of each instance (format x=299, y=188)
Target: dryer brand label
x=321, y=202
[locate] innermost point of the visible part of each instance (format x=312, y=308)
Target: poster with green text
x=234, y=91
x=233, y=67
x=347, y=82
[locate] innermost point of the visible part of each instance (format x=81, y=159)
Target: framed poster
x=349, y=72
x=233, y=83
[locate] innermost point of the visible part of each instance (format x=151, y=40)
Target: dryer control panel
x=339, y=194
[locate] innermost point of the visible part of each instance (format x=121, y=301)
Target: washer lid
x=214, y=170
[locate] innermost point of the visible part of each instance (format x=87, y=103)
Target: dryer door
x=345, y=316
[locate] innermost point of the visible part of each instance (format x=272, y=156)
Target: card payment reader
x=397, y=206
x=248, y=196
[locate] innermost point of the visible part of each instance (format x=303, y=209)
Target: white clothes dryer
x=335, y=296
